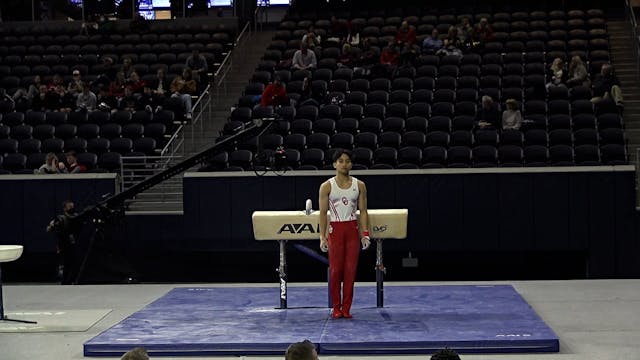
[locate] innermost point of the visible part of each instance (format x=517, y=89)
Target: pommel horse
x=304, y=225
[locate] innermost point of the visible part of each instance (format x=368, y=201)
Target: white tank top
x=343, y=203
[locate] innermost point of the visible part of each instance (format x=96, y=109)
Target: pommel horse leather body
x=297, y=225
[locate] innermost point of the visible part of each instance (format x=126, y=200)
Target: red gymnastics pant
x=344, y=249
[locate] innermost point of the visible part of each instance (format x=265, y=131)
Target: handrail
x=631, y=16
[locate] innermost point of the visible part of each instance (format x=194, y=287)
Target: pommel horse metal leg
x=380, y=271
x=282, y=273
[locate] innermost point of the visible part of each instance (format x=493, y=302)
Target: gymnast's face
x=343, y=164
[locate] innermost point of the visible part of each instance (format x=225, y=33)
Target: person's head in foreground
x=136, y=354
x=445, y=354
x=303, y=350
x=342, y=161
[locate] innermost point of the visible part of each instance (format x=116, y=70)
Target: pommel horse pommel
x=304, y=225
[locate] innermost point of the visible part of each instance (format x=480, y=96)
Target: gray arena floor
x=595, y=319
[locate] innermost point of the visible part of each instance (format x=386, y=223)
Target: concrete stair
x=167, y=197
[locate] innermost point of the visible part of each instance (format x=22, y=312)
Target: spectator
x=30, y=92
x=511, y=117
x=488, y=116
x=445, y=354
x=406, y=34
x=116, y=87
x=408, y=54
x=353, y=37
x=51, y=166
x=465, y=30
x=87, y=100
x=368, y=57
x=433, y=43
x=136, y=84
x=451, y=44
x=74, y=85
x=128, y=101
x=56, y=81
x=389, y=60
x=578, y=75
x=304, y=59
x=6, y=100
x=182, y=88
x=483, y=32
x=67, y=102
x=136, y=354
x=338, y=30
x=47, y=99
x=311, y=38
x=275, y=94
x=127, y=67
x=72, y=164
x=346, y=58
x=557, y=73
x=304, y=350
x=607, y=86
x=108, y=75
x=198, y=65
x=159, y=88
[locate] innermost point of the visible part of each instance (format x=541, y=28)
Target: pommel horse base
x=303, y=225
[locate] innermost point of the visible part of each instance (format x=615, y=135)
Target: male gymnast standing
x=342, y=195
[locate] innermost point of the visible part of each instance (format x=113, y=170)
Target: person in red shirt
x=274, y=94
x=406, y=34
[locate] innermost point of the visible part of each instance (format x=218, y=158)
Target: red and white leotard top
x=343, y=203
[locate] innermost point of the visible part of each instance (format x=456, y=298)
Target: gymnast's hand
x=324, y=244
x=365, y=242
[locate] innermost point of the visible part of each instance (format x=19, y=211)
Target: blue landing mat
x=415, y=320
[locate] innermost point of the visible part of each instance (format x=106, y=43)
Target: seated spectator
x=116, y=87
x=406, y=34
x=433, y=43
x=445, y=354
x=483, y=32
x=198, y=64
x=29, y=93
x=304, y=350
x=465, y=30
x=275, y=94
x=6, y=100
x=86, y=100
x=389, y=60
x=127, y=67
x=607, y=86
x=488, y=116
x=108, y=75
x=47, y=99
x=408, y=54
x=353, y=37
x=578, y=75
x=128, y=101
x=304, y=59
x=72, y=166
x=346, y=57
x=57, y=80
x=557, y=73
x=136, y=84
x=311, y=38
x=158, y=90
x=182, y=87
x=338, y=30
x=73, y=87
x=67, y=102
x=51, y=166
x=368, y=57
x=451, y=44
x=136, y=354
x=511, y=117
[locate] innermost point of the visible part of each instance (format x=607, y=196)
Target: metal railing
x=135, y=169
x=631, y=16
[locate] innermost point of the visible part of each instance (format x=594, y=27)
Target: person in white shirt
x=304, y=58
x=511, y=117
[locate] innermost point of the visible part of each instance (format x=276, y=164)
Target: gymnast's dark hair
x=302, y=350
x=338, y=152
x=445, y=354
